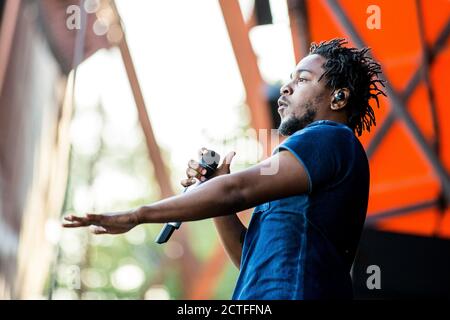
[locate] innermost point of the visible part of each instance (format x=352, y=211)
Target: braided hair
x=354, y=69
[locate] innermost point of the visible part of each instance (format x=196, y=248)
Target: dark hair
x=355, y=70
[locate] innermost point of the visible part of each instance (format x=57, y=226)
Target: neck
x=336, y=117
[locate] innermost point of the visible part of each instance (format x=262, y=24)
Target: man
x=305, y=229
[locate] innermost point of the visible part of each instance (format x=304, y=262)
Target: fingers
x=73, y=225
x=227, y=160
x=72, y=218
x=229, y=157
x=194, y=165
x=194, y=170
x=76, y=221
x=99, y=230
x=191, y=173
x=187, y=182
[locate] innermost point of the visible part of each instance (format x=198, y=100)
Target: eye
x=301, y=80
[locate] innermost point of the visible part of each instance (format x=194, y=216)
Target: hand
x=195, y=171
x=120, y=222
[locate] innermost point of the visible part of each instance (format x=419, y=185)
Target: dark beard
x=293, y=124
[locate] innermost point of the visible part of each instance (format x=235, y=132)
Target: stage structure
x=409, y=149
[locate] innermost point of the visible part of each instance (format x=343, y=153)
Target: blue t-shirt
x=302, y=247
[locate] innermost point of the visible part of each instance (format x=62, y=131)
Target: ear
x=339, y=99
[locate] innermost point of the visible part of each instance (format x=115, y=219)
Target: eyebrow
x=300, y=71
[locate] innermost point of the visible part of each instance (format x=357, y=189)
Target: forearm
x=231, y=232
x=216, y=197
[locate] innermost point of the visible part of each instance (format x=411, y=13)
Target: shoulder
x=323, y=132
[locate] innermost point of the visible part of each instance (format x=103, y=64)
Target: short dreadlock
x=353, y=69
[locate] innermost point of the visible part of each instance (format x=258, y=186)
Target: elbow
x=234, y=191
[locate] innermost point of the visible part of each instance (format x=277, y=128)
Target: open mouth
x=282, y=104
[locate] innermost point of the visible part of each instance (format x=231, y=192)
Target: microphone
x=209, y=161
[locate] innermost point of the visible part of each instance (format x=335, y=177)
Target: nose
x=286, y=90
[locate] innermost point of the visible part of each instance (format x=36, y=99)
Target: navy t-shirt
x=302, y=247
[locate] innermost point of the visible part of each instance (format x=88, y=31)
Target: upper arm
x=282, y=175
x=307, y=161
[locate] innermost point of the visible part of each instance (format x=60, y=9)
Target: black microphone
x=209, y=161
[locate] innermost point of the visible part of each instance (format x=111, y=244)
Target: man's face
x=303, y=99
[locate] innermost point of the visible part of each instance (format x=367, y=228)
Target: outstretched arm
x=218, y=197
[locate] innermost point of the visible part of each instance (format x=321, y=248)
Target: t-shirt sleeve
x=320, y=153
